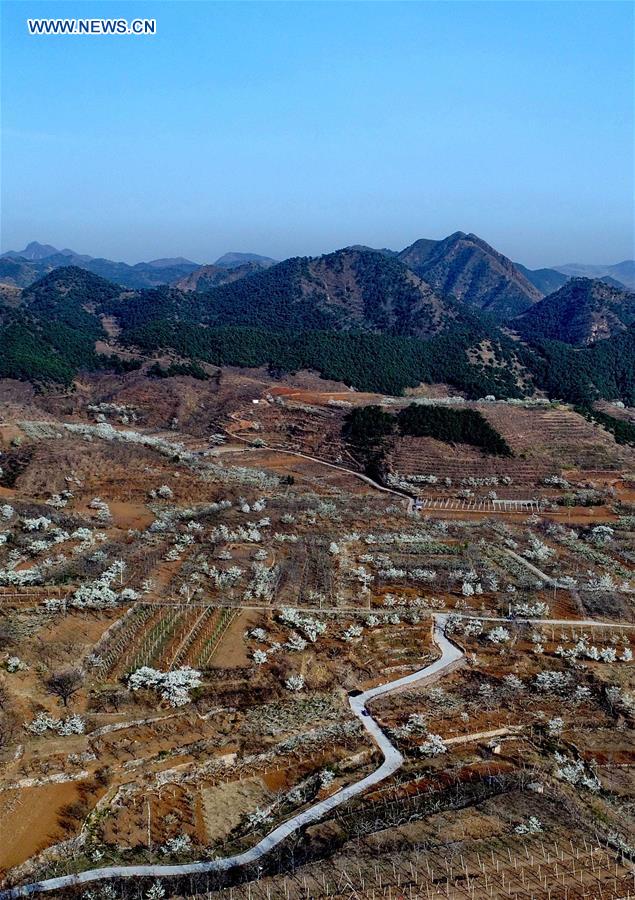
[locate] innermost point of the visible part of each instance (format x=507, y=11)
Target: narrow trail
x=375, y=484
x=547, y=579
x=451, y=656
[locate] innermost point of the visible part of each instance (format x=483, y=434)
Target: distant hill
x=207, y=277
x=21, y=272
x=624, y=272
x=468, y=268
x=141, y=275
x=170, y=262
x=546, y=280
x=36, y=251
x=581, y=312
x=233, y=260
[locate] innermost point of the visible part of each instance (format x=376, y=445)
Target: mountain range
x=623, y=272
x=22, y=268
x=461, y=264
x=454, y=311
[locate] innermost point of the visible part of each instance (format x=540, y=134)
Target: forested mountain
x=51, y=334
x=357, y=315
x=19, y=272
x=68, y=288
x=582, y=312
x=346, y=290
x=319, y=314
x=471, y=270
x=605, y=369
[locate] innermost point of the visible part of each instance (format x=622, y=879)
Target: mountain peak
x=33, y=251
x=469, y=268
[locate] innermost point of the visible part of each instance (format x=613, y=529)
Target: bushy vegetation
x=461, y=426
x=193, y=369
x=42, y=352
x=606, y=369
x=365, y=430
x=372, y=362
x=368, y=428
x=622, y=430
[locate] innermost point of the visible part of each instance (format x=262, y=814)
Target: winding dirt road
x=393, y=760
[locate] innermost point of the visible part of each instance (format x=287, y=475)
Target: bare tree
x=7, y=634
x=64, y=684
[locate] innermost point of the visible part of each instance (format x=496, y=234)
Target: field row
x=165, y=638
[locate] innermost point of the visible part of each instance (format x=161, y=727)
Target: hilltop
x=582, y=312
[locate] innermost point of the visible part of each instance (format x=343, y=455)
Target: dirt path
x=380, y=487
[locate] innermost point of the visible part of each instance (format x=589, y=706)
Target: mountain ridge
x=355, y=316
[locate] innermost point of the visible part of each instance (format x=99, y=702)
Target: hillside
x=468, y=268
x=582, y=312
x=19, y=272
x=51, y=334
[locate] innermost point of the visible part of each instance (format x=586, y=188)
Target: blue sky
x=298, y=127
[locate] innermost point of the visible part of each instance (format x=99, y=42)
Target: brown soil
x=29, y=820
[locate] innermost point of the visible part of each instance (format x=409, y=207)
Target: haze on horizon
x=294, y=129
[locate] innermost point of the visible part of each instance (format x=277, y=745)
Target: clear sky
x=299, y=127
